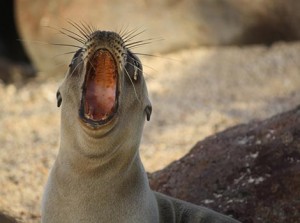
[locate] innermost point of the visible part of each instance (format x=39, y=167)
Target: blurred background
x=215, y=64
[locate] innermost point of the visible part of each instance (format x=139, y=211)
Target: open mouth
x=99, y=97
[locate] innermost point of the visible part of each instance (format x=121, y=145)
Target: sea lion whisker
x=138, y=45
x=72, y=37
x=92, y=28
x=76, y=67
x=140, y=68
x=79, y=28
x=147, y=75
x=95, y=28
x=45, y=43
x=62, y=54
x=142, y=42
x=135, y=66
x=127, y=32
x=91, y=65
x=123, y=30
x=55, y=44
x=133, y=36
x=136, y=95
x=130, y=33
x=148, y=55
x=157, y=56
x=87, y=28
x=64, y=32
x=59, y=65
x=84, y=28
x=74, y=33
x=33, y=41
x=86, y=58
x=145, y=65
x=138, y=41
x=67, y=45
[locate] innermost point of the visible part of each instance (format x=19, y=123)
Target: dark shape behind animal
x=13, y=57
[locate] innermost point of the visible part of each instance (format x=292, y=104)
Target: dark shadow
x=15, y=64
x=6, y=219
x=277, y=22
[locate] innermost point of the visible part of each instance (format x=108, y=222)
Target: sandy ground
x=194, y=93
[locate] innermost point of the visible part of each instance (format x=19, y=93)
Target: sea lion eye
x=76, y=55
x=134, y=66
x=136, y=69
x=136, y=63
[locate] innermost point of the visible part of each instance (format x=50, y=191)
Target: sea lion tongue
x=101, y=86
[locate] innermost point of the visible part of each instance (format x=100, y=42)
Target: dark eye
x=136, y=69
x=136, y=63
x=137, y=66
x=133, y=66
x=75, y=57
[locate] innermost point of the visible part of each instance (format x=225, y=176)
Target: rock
x=4, y=218
x=250, y=171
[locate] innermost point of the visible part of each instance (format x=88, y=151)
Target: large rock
x=4, y=218
x=251, y=172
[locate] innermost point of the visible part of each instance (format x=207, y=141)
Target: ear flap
x=58, y=98
x=148, y=111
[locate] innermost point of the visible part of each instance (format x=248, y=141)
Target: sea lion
x=98, y=175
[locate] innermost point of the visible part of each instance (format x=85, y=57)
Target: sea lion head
x=104, y=94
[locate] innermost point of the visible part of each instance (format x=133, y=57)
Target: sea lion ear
x=58, y=98
x=148, y=111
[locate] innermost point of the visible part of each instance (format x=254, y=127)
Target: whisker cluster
x=129, y=36
x=82, y=32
